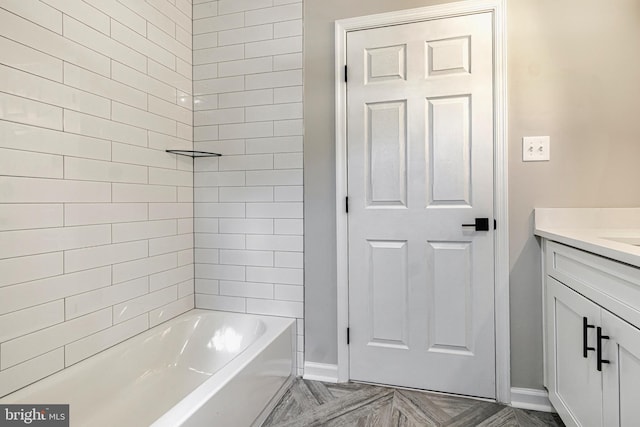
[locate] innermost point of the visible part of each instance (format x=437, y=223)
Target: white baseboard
x=531, y=398
x=320, y=372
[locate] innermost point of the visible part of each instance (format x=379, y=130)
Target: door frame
x=501, y=236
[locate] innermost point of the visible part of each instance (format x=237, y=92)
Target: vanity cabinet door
x=575, y=386
x=621, y=376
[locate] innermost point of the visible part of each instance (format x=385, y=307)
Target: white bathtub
x=203, y=368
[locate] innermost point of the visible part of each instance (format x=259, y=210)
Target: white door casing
x=342, y=27
x=420, y=164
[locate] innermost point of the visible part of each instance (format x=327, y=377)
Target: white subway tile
x=281, y=2
x=103, y=213
x=171, y=310
x=151, y=14
x=186, y=7
x=218, y=85
x=170, y=177
x=31, y=242
x=205, y=10
x=23, y=137
x=226, y=148
x=219, y=241
x=141, y=81
x=219, y=210
x=171, y=277
x=34, y=190
x=95, y=83
x=290, y=61
x=232, y=6
x=245, y=35
x=170, y=110
x=289, y=276
x=207, y=256
x=144, y=267
x=29, y=164
x=218, y=23
x=274, y=14
x=142, y=156
x=275, y=177
x=246, y=289
x=284, y=95
x=218, y=54
x=287, y=29
x=205, y=41
x=206, y=225
x=283, y=144
x=289, y=293
x=186, y=288
x=88, y=302
x=221, y=303
x=273, y=80
x=205, y=102
x=22, y=110
x=216, y=117
x=185, y=226
x=251, y=258
x=246, y=130
x=85, y=124
x=275, y=243
x=289, y=194
x=29, y=294
x=121, y=13
x=143, y=304
x=205, y=133
x=246, y=162
x=143, y=119
x=206, y=286
x=31, y=371
x=289, y=259
x=215, y=179
x=248, y=98
x=82, y=11
x=29, y=320
x=97, y=170
x=245, y=66
x=185, y=194
x=185, y=132
x=288, y=127
x=206, y=194
x=37, y=12
x=170, y=77
x=205, y=71
x=220, y=272
x=245, y=226
x=84, y=259
x=147, y=48
x=275, y=308
x=161, y=142
x=289, y=226
x=170, y=210
x=27, y=59
x=169, y=9
x=273, y=47
x=29, y=34
x=169, y=43
x=87, y=36
x=29, y=216
x=186, y=257
x=131, y=231
x=85, y=347
x=274, y=112
x=37, y=343
x=288, y=161
x=163, y=245
x=183, y=36
x=143, y=193
x=246, y=194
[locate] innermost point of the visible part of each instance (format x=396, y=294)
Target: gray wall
x=574, y=74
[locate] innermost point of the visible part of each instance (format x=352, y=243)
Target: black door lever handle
x=481, y=224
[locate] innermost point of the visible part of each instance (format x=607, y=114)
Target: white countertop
x=593, y=230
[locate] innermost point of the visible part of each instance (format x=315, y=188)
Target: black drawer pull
x=585, y=328
x=599, y=339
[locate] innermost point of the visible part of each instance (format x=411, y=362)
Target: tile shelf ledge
x=194, y=154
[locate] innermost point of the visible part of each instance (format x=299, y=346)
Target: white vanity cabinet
x=592, y=337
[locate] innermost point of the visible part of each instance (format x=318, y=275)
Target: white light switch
x=535, y=148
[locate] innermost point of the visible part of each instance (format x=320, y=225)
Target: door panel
x=420, y=164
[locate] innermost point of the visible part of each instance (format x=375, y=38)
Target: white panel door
x=621, y=376
x=420, y=164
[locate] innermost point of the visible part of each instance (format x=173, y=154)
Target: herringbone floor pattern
x=312, y=403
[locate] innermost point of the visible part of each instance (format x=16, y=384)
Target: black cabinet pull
x=585, y=328
x=599, y=339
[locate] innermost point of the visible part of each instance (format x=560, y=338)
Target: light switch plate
x=536, y=148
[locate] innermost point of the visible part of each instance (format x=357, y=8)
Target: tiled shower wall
x=96, y=220
x=248, y=203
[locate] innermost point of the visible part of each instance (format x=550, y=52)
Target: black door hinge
x=495, y=224
x=348, y=336
x=346, y=204
x=345, y=74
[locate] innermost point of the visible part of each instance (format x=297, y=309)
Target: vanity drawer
x=611, y=284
